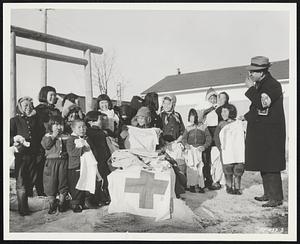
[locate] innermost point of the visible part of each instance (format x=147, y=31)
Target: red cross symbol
x=146, y=186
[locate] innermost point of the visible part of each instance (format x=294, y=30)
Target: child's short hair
x=194, y=113
x=103, y=97
x=55, y=119
x=75, y=121
x=232, y=110
x=44, y=91
x=92, y=116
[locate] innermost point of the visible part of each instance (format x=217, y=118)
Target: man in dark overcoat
x=266, y=133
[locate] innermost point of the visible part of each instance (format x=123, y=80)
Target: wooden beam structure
x=88, y=82
x=50, y=55
x=13, y=75
x=42, y=37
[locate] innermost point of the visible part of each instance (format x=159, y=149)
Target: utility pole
x=119, y=94
x=44, y=61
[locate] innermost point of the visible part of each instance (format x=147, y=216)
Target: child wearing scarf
x=24, y=138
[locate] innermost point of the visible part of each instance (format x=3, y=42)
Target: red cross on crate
x=146, y=186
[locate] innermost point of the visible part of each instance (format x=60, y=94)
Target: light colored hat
x=143, y=111
x=172, y=97
x=259, y=63
x=211, y=91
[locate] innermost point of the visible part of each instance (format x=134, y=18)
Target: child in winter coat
x=97, y=140
x=23, y=137
x=56, y=166
x=207, y=114
x=46, y=109
x=80, y=199
x=196, y=139
x=230, y=140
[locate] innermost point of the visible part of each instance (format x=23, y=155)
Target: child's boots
x=62, y=202
x=52, y=205
x=22, y=202
x=192, y=189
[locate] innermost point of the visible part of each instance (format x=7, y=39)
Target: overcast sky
x=150, y=45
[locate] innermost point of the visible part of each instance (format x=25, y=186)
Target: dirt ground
x=211, y=212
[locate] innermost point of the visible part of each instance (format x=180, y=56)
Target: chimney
x=178, y=71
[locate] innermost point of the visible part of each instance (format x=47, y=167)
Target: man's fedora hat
x=259, y=63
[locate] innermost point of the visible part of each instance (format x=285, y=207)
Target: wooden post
x=44, y=61
x=13, y=76
x=88, y=82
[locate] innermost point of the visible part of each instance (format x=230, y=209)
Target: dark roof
x=216, y=77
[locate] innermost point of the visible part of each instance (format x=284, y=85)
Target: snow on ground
x=211, y=212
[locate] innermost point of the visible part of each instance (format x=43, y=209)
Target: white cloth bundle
x=125, y=159
x=141, y=138
x=194, y=167
x=88, y=173
x=216, y=166
x=232, y=139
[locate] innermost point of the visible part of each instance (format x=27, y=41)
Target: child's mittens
x=20, y=140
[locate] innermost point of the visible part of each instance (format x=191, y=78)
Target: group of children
x=49, y=145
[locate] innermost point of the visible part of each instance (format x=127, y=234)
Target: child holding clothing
x=96, y=138
x=196, y=139
x=172, y=131
x=80, y=199
x=23, y=137
x=230, y=140
x=56, y=165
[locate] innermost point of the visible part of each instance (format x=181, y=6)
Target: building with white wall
x=190, y=88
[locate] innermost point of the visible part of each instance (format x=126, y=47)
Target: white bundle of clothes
x=141, y=138
x=88, y=169
x=175, y=150
x=216, y=170
x=193, y=159
x=232, y=139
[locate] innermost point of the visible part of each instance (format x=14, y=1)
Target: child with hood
x=172, y=131
x=46, y=109
x=23, y=137
x=207, y=114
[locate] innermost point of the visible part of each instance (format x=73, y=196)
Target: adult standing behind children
x=265, y=137
x=46, y=109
